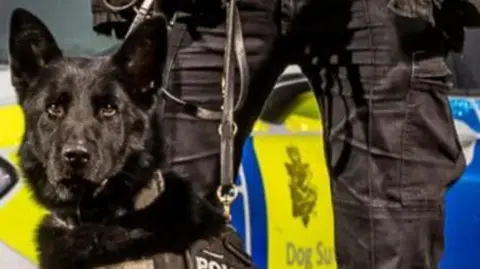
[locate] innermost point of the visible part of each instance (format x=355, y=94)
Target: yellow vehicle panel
x=299, y=207
x=11, y=121
x=19, y=214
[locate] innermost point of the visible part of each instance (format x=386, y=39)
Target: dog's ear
x=141, y=56
x=31, y=47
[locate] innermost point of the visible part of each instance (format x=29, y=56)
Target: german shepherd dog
x=93, y=146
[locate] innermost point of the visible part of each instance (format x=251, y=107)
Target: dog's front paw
x=83, y=244
x=62, y=246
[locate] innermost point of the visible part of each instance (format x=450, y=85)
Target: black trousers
x=389, y=135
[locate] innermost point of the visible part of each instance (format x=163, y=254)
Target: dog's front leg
x=87, y=245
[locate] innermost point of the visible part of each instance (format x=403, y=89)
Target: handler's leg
x=194, y=144
x=390, y=137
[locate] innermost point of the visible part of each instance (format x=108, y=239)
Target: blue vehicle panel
x=462, y=223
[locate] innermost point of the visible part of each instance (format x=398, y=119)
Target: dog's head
x=86, y=118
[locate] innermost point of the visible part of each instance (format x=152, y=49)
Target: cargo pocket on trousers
x=431, y=152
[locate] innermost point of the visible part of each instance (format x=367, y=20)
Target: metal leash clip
x=226, y=195
x=142, y=13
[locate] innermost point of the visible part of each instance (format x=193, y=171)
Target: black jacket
x=108, y=22
x=413, y=16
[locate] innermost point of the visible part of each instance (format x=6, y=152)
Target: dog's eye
x=108, y=110
x=55, y=111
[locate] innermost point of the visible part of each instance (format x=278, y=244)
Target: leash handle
x=227, y=192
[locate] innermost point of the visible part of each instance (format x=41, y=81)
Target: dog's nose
x=76, y=155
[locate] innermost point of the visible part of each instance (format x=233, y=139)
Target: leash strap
x=227, y=192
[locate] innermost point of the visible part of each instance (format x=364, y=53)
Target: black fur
x=92, y=143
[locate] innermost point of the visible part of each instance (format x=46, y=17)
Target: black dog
x=92, y=149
